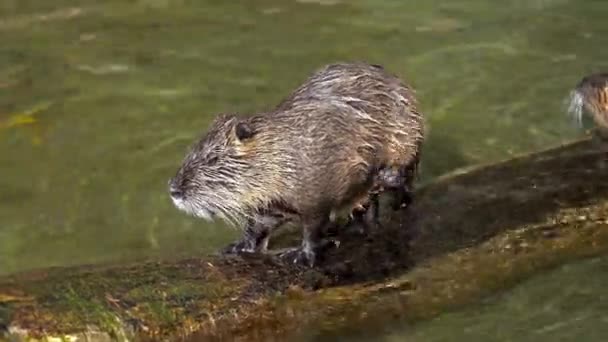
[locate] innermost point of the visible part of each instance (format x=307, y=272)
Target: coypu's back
x=385, y=104
x=356, y=80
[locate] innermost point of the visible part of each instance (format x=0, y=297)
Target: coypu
x=591, y=95
x=347, y=131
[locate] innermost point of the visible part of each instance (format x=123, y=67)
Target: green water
x=569, y=303
x=100, y=99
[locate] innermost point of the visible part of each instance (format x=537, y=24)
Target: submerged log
x=469, y=234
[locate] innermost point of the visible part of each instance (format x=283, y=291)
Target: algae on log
x=476, y=231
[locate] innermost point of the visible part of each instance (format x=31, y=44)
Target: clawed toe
x=307, y=256
x=298, y=255
x=238, y=247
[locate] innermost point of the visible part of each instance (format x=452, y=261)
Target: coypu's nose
x=175, y=191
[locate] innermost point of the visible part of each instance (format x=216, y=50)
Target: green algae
x=150, y=297
x=468, y=235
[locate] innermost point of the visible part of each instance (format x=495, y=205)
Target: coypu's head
x=590, y=94
x=212, y=180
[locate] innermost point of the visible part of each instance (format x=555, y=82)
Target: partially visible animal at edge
x=348, y=133
x=590, y=96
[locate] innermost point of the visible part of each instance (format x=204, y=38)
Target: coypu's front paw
x=238, y=247
x=299, y=255
x=307, y=256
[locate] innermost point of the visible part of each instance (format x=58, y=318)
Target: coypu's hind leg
x=397, y=180
x=255, y=235
x=366, y=215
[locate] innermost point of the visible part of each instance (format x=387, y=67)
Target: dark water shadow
x=476, y=206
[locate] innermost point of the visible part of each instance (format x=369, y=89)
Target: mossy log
x=468, y=234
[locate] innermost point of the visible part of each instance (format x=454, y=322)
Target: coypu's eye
x=243, y=131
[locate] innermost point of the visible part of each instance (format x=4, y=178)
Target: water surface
x=99, y=100
x=569, y=303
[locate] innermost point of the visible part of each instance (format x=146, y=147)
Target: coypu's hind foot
x=398, y=180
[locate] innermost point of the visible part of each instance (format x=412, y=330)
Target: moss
x=468, y=235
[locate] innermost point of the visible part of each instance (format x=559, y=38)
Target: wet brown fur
x=317, y=152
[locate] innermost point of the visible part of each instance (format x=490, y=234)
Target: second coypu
x=591, y=95
x=347, y=129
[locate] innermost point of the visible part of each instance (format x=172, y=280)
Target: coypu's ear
x=244, y=130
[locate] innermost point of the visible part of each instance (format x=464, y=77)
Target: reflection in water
x=569, y=303
x=99, y=100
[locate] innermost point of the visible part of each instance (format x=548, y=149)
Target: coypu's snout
x=180, y=199
x=177, y=193
x=187, y=200
x=210, y=181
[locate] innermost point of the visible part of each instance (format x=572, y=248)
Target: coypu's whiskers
x=575, y=103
